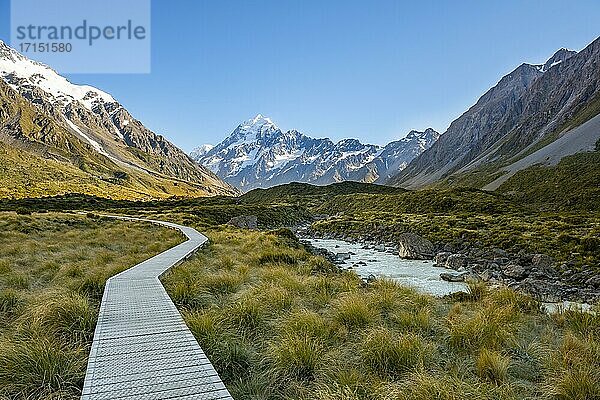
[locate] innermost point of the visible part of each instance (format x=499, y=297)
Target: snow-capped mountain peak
x=260, y=154
x=19, y=71
x=201, y=150
x=258, y=121
x=257, y=124
x=252, y=130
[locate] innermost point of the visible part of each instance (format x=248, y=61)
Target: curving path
x=142, y=348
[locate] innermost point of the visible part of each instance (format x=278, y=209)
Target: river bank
x=373, y=262
x=535, y=274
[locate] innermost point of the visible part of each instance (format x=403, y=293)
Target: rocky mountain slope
x=527, y=110
x=259, y=154
x=44, y=117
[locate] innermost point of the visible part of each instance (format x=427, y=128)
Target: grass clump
x=308, y=323
x=247, y=314
x=579, y=321
x=222, y=283
x=352, y=311
x=40, y=367
x=423, y=385
x=68, y=316
x=296, y=356
x=390, y=354
x=492, y=366
x=9, y=300
x=574, y=371
x=476, y=290
x=488, y=327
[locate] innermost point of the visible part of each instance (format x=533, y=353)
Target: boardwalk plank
x=142, y=348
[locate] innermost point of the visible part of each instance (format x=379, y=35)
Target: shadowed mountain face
x=50, y=118
x=528, y=109
x=259, y=154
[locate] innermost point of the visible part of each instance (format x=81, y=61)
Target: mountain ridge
x=102, y=131
x=258, y=154
x=525, y=109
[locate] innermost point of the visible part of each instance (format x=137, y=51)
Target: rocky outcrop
x=244, y=222
x=541, y=261
x=536, y=274
x=514, y=271
x=414, y=247
x=456, y=261
x=440, y=258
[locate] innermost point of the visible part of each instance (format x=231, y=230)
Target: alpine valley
x=462, y=265
x=259, y=154
x=57, y=138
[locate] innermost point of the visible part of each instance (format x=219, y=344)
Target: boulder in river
x=414, y=247
x=465, y=276
x=441, y=257
x=456, y=261
x=454, y=276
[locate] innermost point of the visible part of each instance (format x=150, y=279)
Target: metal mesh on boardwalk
x=142, y=348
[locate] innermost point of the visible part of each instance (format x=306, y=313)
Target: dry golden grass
x=52, y=273
x=279, y=324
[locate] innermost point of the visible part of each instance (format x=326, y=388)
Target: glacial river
x=421, y=275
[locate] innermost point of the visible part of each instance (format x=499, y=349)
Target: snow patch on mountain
x=557, y=58
x=14, y=68
x=200, y=150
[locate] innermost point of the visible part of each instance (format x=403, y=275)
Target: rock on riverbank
x=536, y=274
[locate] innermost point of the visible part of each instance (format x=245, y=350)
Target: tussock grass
x=230, y=354
x=425, y=386
x=353, y=311
x=223, y=283
x=69, y=317
x=247, y=314
x=296, y=356
x=337, y=392
x=417, y=320
x=9, y=300
x=579, y=321
x=492, y=366
x=308, y=323
x=476, y=290
x=53, y=268
x=576, y=383
x=252, y=386
x=390, y=354
x=488, y=327
x=41, y=367
x=519, y=302
x=296, y=328
x=573, y=372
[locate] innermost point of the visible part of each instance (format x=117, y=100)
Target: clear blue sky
x=366, y=69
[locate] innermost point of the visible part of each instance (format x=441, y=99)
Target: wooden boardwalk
x=142, y=348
